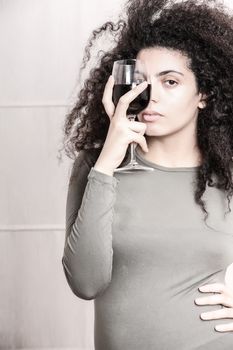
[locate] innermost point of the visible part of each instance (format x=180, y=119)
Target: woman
x=154, y=249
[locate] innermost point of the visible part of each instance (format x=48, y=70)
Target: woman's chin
x=153, y=131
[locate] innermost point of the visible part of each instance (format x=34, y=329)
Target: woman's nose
x=154, y=89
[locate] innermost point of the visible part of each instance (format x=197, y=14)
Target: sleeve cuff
x=103, y=178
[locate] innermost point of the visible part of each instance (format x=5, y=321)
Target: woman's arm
x=87, y=258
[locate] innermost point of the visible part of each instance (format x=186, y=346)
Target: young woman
x=155, y=248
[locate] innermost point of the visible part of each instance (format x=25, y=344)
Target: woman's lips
x=151, y=117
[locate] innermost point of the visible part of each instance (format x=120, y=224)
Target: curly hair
x=202, y=30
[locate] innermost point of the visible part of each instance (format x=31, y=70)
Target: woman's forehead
x=158, y=60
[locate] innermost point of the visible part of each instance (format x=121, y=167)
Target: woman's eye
x=171, y=81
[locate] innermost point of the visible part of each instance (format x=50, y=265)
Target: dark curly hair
x=202, y=30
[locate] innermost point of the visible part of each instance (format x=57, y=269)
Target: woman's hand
x=121, y=131
x=224, y=297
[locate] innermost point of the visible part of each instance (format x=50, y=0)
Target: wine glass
x=127, y=74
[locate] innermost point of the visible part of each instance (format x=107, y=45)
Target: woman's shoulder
x=87, y=157
x=83, y=162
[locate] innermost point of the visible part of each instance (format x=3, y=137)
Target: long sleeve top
x=137, y=244
x=89, y=214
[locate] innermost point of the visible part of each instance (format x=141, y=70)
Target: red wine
x=138, y=104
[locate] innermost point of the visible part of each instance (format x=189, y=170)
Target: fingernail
x=218, y=328
x=204, y=316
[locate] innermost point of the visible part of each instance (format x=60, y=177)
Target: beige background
x=41, y=47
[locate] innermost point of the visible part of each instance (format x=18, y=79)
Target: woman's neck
x=170, y=152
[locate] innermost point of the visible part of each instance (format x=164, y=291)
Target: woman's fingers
x=125, y=100
x=217, y=314
x=210, y=300
x=140, y=139
x=107, y=97
x=223, y=295
x=119, y=121
x=228, y=327
x=137, y=127
x=214, y=287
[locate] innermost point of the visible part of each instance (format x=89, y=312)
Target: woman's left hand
x=224, y=297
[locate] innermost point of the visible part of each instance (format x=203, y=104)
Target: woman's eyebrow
x=166, y=72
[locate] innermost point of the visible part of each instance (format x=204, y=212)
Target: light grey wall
x=41, y=47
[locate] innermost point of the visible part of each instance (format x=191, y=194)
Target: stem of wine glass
x=132, y=152
x=132, y=144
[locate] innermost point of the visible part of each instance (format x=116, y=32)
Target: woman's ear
x=202, y=102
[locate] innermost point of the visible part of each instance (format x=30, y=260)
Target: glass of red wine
x=127, y=74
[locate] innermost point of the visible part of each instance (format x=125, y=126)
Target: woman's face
x=174, y=95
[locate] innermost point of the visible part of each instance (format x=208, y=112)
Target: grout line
x=36, y=105
x=10, y=228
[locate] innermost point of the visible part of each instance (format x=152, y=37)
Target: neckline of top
x=165, y=168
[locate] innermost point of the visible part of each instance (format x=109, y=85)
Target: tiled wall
x=37, y=307
x=41, y=49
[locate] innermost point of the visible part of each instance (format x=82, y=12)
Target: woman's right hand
x=121, y=130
